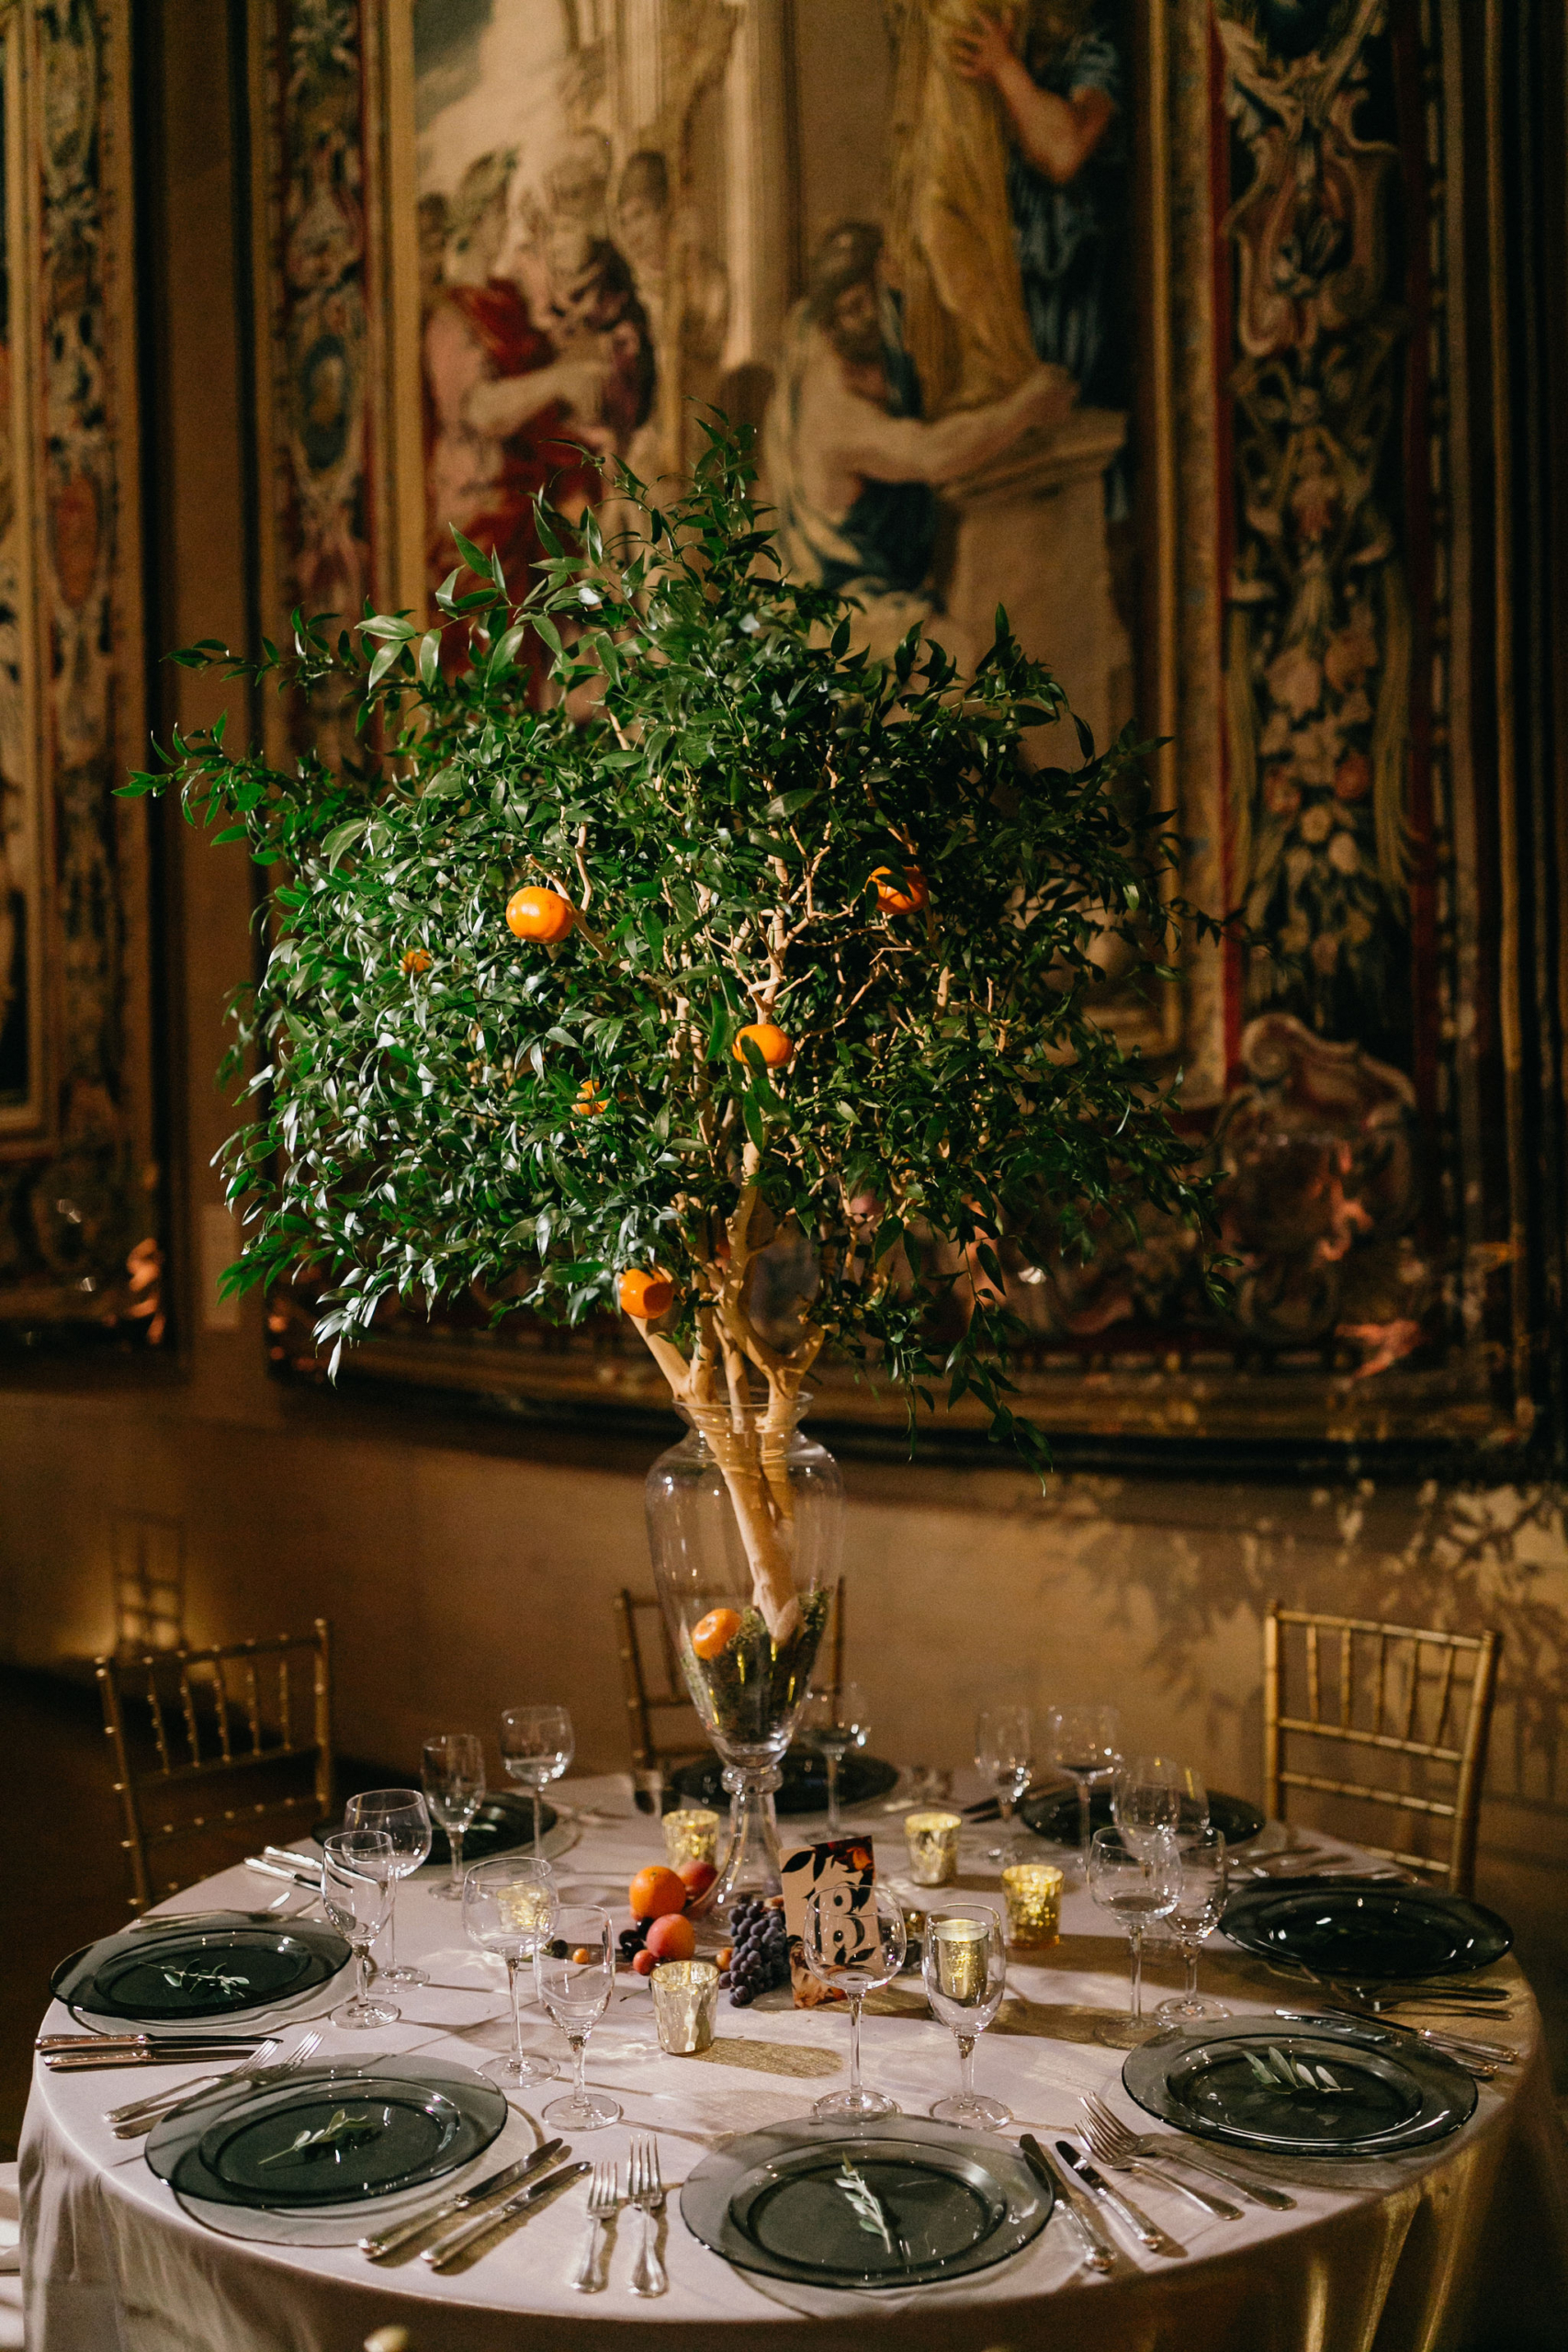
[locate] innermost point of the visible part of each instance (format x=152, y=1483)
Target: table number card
x=842, y=1870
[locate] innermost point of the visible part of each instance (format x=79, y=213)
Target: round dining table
x=1461, y=2246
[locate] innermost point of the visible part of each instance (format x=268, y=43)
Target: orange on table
x=712, y=1635
x=895, y=899
x=533, y=914
x=645, y=1295
x=654, y=1892
x=590, y=1103
x=770, y=1041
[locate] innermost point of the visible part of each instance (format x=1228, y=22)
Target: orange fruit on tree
x=770, y=1041
x=533, y=914
x=895, y=899
x=589, y=1101
x=712, y=1635
x=645, y=1295
x=415, y=960
x=655, y=1891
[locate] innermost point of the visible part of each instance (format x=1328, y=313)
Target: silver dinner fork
x=1171, y=2150
x=1106, y=2148
x=645, y=2190
x=132, y=2123
x=603, y=2198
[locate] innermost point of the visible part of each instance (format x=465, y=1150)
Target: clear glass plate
x=1367, y=2100
x=199, y=1975
x=1404, y=1933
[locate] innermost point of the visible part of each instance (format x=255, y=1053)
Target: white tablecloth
x=1465, y=2245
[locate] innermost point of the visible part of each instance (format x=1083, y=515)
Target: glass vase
x=746, y=1529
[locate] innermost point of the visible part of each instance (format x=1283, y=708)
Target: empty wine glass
x=1136, y=1888
x=1086, y=1742
x=832, y=1722
x=536, y=1746
x=1004, y=1751
x=356, y=1896
x=965, y=1968
x=405, y=1817
x=853, y=1940
x=576, y=1974
x=453, y=1777
x=509, y=1907
x=1199, y=1905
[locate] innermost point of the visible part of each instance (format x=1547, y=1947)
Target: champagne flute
x=1134, y=1888
x=832, y=1722
x=575, y=1969
x=1199, y=1906
x=1004, y=1750
x=1087, y=1743
x=509, y=1907
x=854, y=1940
x=536, y=1746
x=453, y=1777
x=356, y=1896
x=965, y=1968
x=405, y=1817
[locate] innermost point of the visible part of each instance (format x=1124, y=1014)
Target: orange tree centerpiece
x=732, y=940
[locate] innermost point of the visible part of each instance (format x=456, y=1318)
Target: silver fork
x=1173, y=2151
x=1104, y=2147
x=603, y=2198
x=645, y=2190
x=132, y=2123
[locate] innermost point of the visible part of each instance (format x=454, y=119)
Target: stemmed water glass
x=576, y=1974
x=356, y=1896
x=403, y=1814
x=1086, y=1742
x=1199, y=1905
x=853, y=1940
x=1153, y=1797
x=536, y=1746
x=1004, y=1751
x=509, y=1907
x=965, y=1968
x=1134, y=1888
x=453, y=1777
x=832, y=1722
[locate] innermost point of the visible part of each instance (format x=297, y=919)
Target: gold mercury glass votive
x=934, y=1847
x=1033, y=1891
x=685, y=2000
x=961, y=1956
x=691, y=1836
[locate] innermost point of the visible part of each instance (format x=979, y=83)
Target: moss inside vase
x=752, y=1687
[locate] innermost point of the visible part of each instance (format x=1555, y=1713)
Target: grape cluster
x=760, y=1954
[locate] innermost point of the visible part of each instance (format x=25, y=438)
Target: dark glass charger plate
x=381, y=2126
x=1055, y=1815
x=195, y=1975
x=502, y=1824
x=1371, y=2098
x=893, y=2202
x=862, y=1778
x=1367, y=1931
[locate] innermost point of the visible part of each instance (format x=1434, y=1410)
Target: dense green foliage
x=715, y=781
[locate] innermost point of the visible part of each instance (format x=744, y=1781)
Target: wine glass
x=832, y=1722
x=1153, y=1797
x=509, y=1907
x=356, y=1896
x=1004, y=1750
x=576, y=1974
x=453, y=1777
x=1136, y=1888
x=536, y=1746
x=1201, y=1853
x=1086, y=1742
x=405, y=1817
x=965, y=1968
x=853, y=1940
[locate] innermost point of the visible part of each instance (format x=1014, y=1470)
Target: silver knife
x=1101, y=2254
x=52, y=2041
x=1147, y=2233
x=446, y=2250
x=388, y=2241
x=85, y=2061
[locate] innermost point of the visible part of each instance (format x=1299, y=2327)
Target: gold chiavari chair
x=653, y=1699
x=1415, y=1707
x=212, y=1744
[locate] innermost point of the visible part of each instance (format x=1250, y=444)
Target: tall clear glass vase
x=746, y=1529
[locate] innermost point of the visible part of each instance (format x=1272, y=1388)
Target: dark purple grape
x=741, y=1998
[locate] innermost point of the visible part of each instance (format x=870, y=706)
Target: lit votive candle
x=1033, y=1891
x=961, y=1962
x=691, y=1836
x=934, y=1847
x=685, y=2001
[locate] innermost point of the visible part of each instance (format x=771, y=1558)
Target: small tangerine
x=589, y=1101
x=645, y=1295
x=415, y=960
x=533, y=914
x=896, y=899
x=712, y=1635
x=775, y=1048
